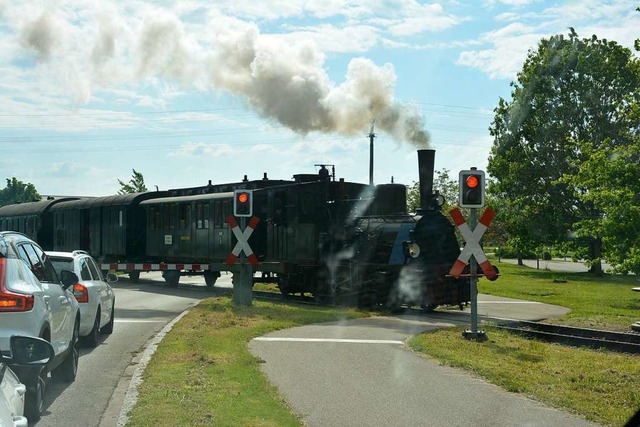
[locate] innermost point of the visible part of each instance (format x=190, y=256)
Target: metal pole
x=473, y=280
x=473, y=288
x=242, y=276
x=371, y=136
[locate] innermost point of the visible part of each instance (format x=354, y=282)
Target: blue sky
x=191, y=91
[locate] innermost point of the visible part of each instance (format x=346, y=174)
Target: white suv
x=93, y=292
x=34, y=302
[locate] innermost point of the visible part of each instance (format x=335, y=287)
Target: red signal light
x=471, y=188
x=472, y=181
x=243, y=197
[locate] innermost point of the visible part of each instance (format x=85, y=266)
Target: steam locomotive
x=344, y=242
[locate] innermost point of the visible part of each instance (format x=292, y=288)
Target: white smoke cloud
x=40, y=36
x=282, y=79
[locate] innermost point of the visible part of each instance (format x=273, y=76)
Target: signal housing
x=471, y=184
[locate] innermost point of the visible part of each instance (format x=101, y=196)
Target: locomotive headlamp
x=411, y=249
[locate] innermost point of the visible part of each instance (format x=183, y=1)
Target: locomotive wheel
x=172, y=277
x=210, y=277
x=283, y=284
x=323, y=293
x=428, y=308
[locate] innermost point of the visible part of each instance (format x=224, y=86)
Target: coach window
x=120, y=218
x=202, y=215
x=226, y=211
x=217, y=214
x=306, y=207
x=205, y=215
x=21, y=226
x=183, y=216
x=30, y=225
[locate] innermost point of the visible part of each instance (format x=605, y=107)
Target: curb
x=132, y=378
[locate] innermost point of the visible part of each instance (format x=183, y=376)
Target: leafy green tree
x=612, y=176
x=135, y=185
x=17, y=191
x=572, y=98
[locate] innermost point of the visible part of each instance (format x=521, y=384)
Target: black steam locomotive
x=344, y=242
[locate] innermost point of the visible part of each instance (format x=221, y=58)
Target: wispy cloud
x=507, y=47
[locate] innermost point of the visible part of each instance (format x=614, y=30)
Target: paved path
x=360, y=373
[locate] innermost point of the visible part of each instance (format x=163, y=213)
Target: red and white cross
x=472, y=246
x=243, y=240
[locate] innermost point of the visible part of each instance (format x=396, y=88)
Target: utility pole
x=371, y=137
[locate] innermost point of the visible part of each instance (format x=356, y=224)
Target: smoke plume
x=281, y=78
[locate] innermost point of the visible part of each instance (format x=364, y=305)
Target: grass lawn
x=598, y=302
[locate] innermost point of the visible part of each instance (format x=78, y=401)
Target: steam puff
x=288, y=83
x=40, y=35
x=282, y=80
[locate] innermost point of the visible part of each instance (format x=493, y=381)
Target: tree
x=572, y=98
x=17, y=191
x=611, y=174
x=135, y=185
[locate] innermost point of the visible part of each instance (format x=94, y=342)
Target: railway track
x=579, y=337
x=566, y=335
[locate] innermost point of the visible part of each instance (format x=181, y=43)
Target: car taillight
x=11, y=301
x=80, y=292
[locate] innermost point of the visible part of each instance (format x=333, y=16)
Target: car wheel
x=91, y=340
x=34, y=399
x=68, y=369
x=108, y=328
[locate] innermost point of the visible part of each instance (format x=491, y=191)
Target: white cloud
x=202, y=150
x=508, y=46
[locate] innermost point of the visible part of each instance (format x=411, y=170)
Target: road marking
x=336, y=340
x=509, y=302
x=138, y=321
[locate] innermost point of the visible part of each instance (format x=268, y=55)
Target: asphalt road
x=363, y=375
x=142, y=310
x=556, y=265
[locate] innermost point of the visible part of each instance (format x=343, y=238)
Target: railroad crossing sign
x=472, y=245
x=243, y=240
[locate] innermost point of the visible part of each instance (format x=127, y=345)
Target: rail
x=614, y=341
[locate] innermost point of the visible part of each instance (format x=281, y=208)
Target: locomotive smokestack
x=426, y=160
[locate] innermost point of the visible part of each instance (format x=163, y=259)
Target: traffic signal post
x=242, y=271
x=474, y=333
x=472, y=188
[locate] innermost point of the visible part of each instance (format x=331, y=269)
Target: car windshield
x=60, y=264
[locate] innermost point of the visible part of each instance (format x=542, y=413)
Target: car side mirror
x=30, y=351
x=68, y=278
x=111, y=278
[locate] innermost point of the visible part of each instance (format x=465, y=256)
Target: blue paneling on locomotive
x=341, y=241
